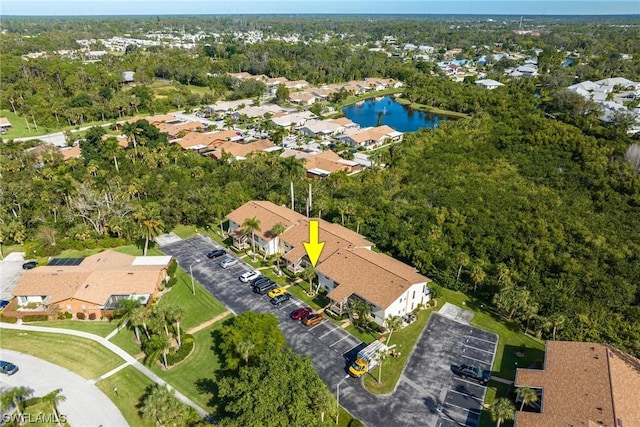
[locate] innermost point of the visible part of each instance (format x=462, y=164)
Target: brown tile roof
x=192, y=139
x=159, y=118
x=327, y=160
x=583, y=384
x=268, y=213
x=243, y=150
x=70, y=152
x=372, y=134
x=343, y=121
x=374, y=276
x=334, y=236
x=224, y=134
x=123, y=141
x=174, y=129
x=96, y=278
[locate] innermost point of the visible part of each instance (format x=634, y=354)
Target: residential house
x=92, y=285
x=228, y=106
x=240, y=151
x=5, y=124
x=321, y=128
x=322, y=164
x=293, y=119
x=177, y=128
x=197, y=140
x=345, y=123
x=70, y=152
x=489, y=83
x=373, y=136
x=296, y=84
x=302, y=98
x=347, y=268
x=582, y=384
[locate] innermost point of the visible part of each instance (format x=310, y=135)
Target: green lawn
x=98, y=327
x=198, y=368
x=199, y=307
x=404, y=341
x=84, y=357
x=131, y=385
x=299, y=290
x=366, y=337
x=124, y=340
x=494, y=391
x=21, y=130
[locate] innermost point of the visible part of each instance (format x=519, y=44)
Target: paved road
x=10, y=273
x=85, y=404
x=427, y=378
x=128, y=359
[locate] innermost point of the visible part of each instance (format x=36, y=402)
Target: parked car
x=216, y=253
x=249, y=276
x=300, y=313
x=29, y=265
x=276, y=292
x=312, y=319
x=258, y=280
x=228, y=262
x=8, y=368
x=277, y=300
x=474, y=373
x=3, y=303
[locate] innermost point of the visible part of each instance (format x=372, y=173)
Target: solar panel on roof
x=65, y=261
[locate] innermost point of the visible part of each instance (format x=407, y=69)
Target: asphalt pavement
x=85, y=404
x=428, y=393
x=10, y=273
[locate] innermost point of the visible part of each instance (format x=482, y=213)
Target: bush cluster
x=35, y=318
x=8, y=319
x=176, y=356
x=81, y=316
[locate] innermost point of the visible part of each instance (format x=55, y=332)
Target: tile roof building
x=347, y=269
x=583, y=384
x=95, y=284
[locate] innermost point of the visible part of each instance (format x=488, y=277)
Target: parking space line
x=473, y=411
x=343, y=338
x=469, y=382
x=481, y=339
x=474, y=397
x=313, y=327
x=456, y=421
x=332, y=330
x=477, y=348
x=473, y=358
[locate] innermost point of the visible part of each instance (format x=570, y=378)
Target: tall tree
x=53, y=399
x=150, y=224
x=15, y=396
x=527, y=395
x=309, y=274
x=130, y=310
x=502, y=409
x=393, y=323
x=157, y=347
x=381, y=356
x=252, y=225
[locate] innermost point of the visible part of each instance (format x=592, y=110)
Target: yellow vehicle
x=276, y=292
x=367, y=359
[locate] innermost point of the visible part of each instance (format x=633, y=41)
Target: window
x=84, y=308
x=414, y=295
x=69, y=308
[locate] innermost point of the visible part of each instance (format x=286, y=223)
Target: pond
x=387, y=111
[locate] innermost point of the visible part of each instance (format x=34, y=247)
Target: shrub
x=355, y=423
x=67, y=315
x=81, y=316
x=176, y=356
x=172, y=281
x=35, y=318
x=8, y=319
x=92, y=316
x=173, y=267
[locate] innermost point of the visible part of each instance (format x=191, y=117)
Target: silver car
x=228, y=262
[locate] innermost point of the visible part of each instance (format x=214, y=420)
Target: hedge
x=8, y=319
x=35, y=318
x=179, y=355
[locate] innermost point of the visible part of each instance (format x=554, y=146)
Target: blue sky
x=191, y=7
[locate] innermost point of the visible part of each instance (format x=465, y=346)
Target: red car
x=300, y=313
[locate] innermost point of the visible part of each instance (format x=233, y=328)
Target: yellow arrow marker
x=313, y=247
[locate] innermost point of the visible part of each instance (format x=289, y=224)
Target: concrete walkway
x=209, y=322
x=502, y=380
x=130, y=360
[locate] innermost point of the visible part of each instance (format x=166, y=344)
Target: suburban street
x=428, y=392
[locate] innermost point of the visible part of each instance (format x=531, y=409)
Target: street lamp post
x=338, y=398
x=193, y=286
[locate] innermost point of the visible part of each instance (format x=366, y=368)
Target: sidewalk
x=130, y=360
x=209, y=322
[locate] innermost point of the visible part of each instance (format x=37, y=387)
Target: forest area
x=538, y=217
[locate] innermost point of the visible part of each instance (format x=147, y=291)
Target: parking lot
x=428, y=393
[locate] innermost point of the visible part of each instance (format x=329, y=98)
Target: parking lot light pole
x=338, y=398
x=193, y=286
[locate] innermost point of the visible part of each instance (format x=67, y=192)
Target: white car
x=249, y=276
x=228, y=262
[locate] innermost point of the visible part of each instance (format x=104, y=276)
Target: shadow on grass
x=515, y=357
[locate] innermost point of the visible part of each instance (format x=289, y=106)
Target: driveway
x=428, y=392
x=85, y=404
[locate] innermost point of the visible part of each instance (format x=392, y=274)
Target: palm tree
x=131, y=130
x=360, y=310
x=309, y=274
x=502, y=409
x=554, y=323
x=131, y=310
x=528, y=395
x=150, y=225
x=53, y=399
x=251, y=225
x=174, y=314
x=15, y=396
x=157, y=346
x=244, y=349
x=463, y=260
x=393, y=324
x=277, y=229
x=159, y=405
x=478, y=275
x=381, y=356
